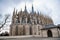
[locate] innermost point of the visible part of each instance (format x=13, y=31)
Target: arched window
x=23, y=20
x=17, y=20
x=37, y=21
x=29, y=21
x=34, y=22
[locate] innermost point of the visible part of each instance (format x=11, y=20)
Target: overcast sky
x=48, y=7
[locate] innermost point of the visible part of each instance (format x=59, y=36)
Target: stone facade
x=52, y=31
x=25, y=23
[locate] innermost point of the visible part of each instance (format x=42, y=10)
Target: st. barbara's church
x=33, y=23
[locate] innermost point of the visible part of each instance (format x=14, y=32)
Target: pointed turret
x=32, y=9
x=13, y=16
x=25, y=8
x=38, y=12
x=14, y=12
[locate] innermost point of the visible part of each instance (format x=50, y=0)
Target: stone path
x=26, y=38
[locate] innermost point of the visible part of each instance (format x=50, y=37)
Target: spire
x=14, y=12
x=32, y=9
x=13, y=16
x=38, y=12
x=25, y=8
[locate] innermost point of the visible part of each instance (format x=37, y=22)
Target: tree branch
x=4, y=22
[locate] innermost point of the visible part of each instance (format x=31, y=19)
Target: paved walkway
x=26, y=38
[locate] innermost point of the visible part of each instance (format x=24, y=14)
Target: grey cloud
x=19, y=1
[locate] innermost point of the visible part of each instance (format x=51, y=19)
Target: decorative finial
x=32, y=9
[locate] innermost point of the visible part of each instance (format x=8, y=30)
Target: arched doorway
x=49, y=33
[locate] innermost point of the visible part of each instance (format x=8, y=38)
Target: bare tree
x=5, y=21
